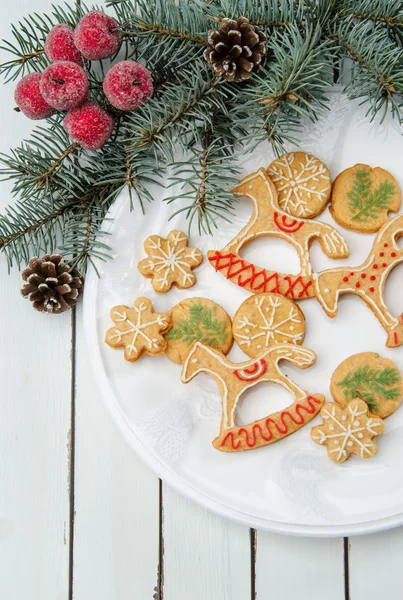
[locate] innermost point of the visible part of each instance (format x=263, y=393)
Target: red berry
x=97, y=36
x=64, y=85
x=89, y=125
x=59, y=44
x=127, y=84
x=29, y=99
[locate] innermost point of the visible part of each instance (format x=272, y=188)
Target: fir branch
x=387, y=13
x=268, y=15
x=371, y=385
x=202, y=326
x=364, y=203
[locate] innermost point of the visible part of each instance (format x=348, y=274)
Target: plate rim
x=164, y=472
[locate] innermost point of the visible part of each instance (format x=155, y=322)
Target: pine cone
x=52, y=286
x=237, y=49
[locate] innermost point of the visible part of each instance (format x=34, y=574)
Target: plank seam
x=159, y=589
x=346, y=546
x=72, y=444
x=253, y=553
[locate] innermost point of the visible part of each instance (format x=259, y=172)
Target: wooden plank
x=292, y=567
x=205, y=556
x=116, y=534
x=376, y=565
x=35, y=372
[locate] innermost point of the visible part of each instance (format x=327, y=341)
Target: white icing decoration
x=174, y=258
x=139, y=329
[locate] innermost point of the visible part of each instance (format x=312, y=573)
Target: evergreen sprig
x=202, y=326
x=365, y=203
x=195, y=122
x=371, y=385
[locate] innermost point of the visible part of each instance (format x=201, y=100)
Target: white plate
x=291, y=486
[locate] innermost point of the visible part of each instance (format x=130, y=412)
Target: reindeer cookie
x=348, y=430
x=234, y=378
x=266, y=319
x=268, y=219
x=302, y=182
x=170, y=261
x=368, y=280
x=371, y=378
x=138, y=329
x=362, y=198
x=197, y=320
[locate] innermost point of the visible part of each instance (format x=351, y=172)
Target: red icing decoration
x=259, y=367
x=260, y=280
x=345, y=279
x=372, y=277
x=382, y=254
x=357, y=285
x=291, y=227
x=385, y=245
x=384, y=265
x=351, y=274
x=281, y=427
x=393, y=254
x=371, y=289
x=363, y=275
x=375, y=267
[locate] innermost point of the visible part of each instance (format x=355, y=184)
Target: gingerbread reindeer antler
x=368, y=280
x=269, y=220
x=234, y=378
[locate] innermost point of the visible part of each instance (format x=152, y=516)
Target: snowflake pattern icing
x=348, y=430
x=302, y=182
x=138, y=329
x=267, y=319
x=170, y=261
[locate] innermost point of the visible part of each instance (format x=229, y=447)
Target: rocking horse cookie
x=367, y=281
x=268, y=219
x=266, y=319
x=234, y=378
x=362, y=198
x=302, y=182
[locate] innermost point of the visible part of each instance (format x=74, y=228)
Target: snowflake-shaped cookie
x=302, y=182
x=266, y=319
x=170, y=261
x=348, y=430
x=138, y=329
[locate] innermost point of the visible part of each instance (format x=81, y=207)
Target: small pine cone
x=236, y=49
x=52, y=286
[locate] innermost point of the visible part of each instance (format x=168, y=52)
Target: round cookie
x=266, y=319
x=369, y=377
x=302, y=182
x=197, y=320
x=362, y=197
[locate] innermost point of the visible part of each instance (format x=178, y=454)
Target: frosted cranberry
x=29, y=99
x=89, y=125
x=127, y=84
x=64, y=85
x=97, y=36
x=59, y=45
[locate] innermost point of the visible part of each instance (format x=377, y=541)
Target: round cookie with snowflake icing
x=302, y=182
x=197, y=320
x=266, y=319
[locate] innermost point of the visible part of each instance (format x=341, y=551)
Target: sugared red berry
x=89, y=125
x=29, y=99
x=127, y=84
x=97, y=36
x=59, y=44
x=64, y=85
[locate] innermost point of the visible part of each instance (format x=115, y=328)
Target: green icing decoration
x=366, y=204
x=371, y=384
x=202, y=326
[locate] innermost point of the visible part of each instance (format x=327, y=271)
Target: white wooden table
x=81, y=517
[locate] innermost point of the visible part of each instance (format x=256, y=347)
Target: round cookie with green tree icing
x=362, y=197
x=371, y=378
x=197, y=320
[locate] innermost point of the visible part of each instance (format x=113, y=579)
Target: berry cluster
x=63, y=86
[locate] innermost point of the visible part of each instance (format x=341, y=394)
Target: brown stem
x=53, y=167
x=393, y=21
x=201, y=200
x=164, y=31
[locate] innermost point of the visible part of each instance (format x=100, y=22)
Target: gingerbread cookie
x=170, y=261
x=197, y=320
x=269, y=220
x=302, y=182
x=371, y=378
x=267, y=319
x=348, y=430
x=138, y=329
x=234, y=378
x=368, y=280
x=362, y=198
